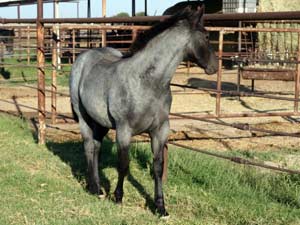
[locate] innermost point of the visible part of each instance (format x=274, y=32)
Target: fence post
x=28, y=45
x=103, y=38
x=297, y=78
x=73, y=45
x=134, y=34
x=41, y=74
x=1, y=55
x=188, y=66
x=58, y=43
x=20, y=45
x=53, y=77
x=219, y=78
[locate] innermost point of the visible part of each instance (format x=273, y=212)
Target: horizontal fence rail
x=290, y=15
x=73, y=38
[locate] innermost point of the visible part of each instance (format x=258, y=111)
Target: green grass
x=46, y=185
x=14, y=75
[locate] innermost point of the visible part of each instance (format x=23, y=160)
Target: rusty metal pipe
x=290, y=15
x=250, y=29
x=233, y=115
x=238, y=160
x=41, y=75
x=219, y=77
x=54, y=79
x=297, y=78
x=236, y=93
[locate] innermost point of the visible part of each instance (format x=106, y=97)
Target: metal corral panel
x=27, y=2
x=239, y=6
x=268, y=74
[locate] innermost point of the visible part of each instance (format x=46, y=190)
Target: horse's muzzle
x=210, y=70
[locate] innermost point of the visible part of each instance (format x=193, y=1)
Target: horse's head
x=199, y=50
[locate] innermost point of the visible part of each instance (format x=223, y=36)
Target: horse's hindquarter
x=94, y=94
x=84, y=64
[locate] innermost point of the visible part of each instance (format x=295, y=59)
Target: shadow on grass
x=149, y=199
x=72, y=153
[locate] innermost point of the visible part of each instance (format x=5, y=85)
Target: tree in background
x=122, y=14
x=140, y=14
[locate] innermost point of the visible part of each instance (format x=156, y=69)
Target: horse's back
x=82, y=66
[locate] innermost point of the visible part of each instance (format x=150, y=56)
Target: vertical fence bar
x=133, y=8
x=62, y=49
x=73, y=45
x=240, y=38
x=188, y=64
x=297, y=78
x=19, y=44
x=239, y=68
x=57, y=32
x=219, y=78
x=134, y=34
x=28, y=45
x=1, y=55
x=58, y=43
x=41, y=74
x=19, y=35
x=146, y=8
x=53, y=77
x=103, y=38
x=103, y=32
x=89, y=33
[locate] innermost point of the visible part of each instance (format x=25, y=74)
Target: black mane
x=144, y=37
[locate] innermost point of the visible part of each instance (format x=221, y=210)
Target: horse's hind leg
x=92, y=136
x=123, y=142
x=159, y=138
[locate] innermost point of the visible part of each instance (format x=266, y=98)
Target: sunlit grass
x=46, y=185
x=19, y=72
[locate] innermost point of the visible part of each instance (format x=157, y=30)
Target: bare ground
x=202, y=134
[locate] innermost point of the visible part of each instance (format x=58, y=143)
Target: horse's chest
x=147, y=114
x=147, y=118
x=139, y=106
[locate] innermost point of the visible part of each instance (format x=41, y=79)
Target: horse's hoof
x=163, y=214
x=102, y=195
x=118, y=196
x=95, y=190
x=118, y=200
x=165, y=217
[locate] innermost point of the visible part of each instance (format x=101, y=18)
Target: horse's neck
x=161, y=56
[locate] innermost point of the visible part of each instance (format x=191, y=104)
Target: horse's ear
x=201, y=11
x=198, y=17
x=187, y=10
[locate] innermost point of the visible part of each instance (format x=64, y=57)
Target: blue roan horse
x=132, y=95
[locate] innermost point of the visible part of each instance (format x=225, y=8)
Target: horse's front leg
x=123, y=142
x=159, y=138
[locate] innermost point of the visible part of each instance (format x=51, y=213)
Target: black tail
x=74, y=114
